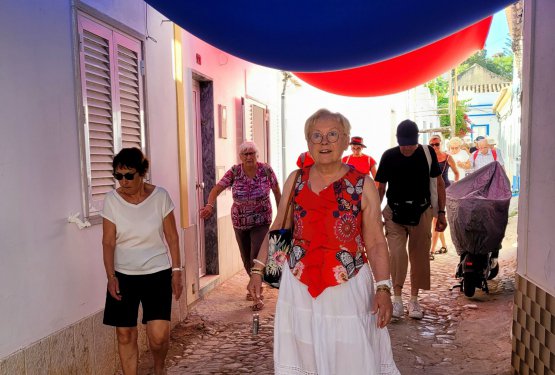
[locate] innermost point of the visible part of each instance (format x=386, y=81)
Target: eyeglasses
x=128, y=176
x=317, y=138
x=250, y=153
x=435, y=144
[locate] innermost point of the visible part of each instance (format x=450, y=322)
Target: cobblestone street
x=458, y=335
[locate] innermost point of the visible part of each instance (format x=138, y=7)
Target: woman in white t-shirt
x=137, y=217
x=460, y=155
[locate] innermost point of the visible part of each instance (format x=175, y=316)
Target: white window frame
x=119, y=98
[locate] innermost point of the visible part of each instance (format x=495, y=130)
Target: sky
x=498, y=34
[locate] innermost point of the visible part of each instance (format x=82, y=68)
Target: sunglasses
x=128, y=176
x=435, y=144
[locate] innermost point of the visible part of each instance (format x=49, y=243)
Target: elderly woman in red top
x=251, y=213
x=330, y=314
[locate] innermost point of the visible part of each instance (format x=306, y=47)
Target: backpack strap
x=475, y=155
x=428, y=157
x=494, y=153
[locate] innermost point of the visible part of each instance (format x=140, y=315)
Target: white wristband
x=177, y=269
x=386, y=282
x=259, y=262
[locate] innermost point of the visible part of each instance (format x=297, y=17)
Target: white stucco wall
x=536, y=239
x=51, y=273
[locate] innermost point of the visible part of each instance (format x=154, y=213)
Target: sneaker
x=398, y=309
x=415, y=311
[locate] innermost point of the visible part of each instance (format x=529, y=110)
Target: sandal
x=442, y=250
x=257, y=306
x=249, y=297
x=432, y=256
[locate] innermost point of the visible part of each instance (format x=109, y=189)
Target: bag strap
x=428, y=157
x=290, y=199
x=446, y=164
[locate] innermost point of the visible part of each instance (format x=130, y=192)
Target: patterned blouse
x=328, y=248
x=251, y=196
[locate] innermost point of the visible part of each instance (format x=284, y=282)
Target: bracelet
x=385, y=282
x=177, y=269
x=210, y=205
x=256, y=271
x=441, y=212
x=112, y=276
x=383, y=288
x=259, y=262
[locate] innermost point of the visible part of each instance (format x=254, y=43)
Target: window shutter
x=248, y=119
x=96, y=52
x=111, y=80
x=129, y=82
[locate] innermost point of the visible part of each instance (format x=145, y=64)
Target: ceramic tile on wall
x=105, y=351
x=36, y=358
x=14, y=364
x=62, y=353
x=84, y=346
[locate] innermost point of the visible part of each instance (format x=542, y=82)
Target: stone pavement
x=458, y=335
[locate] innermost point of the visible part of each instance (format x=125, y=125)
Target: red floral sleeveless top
x=328, y=248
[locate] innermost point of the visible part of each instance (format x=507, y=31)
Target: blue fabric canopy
x=316, y=35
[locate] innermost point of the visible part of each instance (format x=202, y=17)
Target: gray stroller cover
x=478, y=210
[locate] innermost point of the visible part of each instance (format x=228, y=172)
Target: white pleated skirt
x=333, y=334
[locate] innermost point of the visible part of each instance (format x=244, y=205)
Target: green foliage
x=440, y=87
x=501, y=63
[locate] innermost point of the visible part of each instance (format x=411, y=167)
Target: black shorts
x=152, y=291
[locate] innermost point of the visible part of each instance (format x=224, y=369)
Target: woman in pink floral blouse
x=251, y=213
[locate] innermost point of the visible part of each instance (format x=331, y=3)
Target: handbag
x=280, y=242
x=408, y=212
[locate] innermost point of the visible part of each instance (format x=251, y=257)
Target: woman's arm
x=208, y=209
x=376, y=249
x=108, y=249
x=255, y=283
x=453, y=166
x=373, y=171
x=170, y=233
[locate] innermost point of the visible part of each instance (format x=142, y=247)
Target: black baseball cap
x=407, y=133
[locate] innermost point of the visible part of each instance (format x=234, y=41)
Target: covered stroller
x=478, y=213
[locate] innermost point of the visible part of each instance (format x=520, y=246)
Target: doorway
x=203, y=115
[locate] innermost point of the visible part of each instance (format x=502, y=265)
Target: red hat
x=357, y=141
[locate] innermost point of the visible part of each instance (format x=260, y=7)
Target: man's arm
x=381, y=190
x=441, y=222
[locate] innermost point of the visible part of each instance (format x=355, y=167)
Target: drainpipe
x=286, y=77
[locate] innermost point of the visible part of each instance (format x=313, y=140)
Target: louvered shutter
x=111, y=80
x=96, y=79
x=129, y=84
x=248, y=117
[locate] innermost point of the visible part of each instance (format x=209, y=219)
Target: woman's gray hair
x=455, y=142
x=326, y=114
x=248, y=145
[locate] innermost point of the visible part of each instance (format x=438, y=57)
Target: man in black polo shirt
x=408, y=214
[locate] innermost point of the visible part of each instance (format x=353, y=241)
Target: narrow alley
x=458, y=335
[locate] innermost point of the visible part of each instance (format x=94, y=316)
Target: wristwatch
x=441, y=212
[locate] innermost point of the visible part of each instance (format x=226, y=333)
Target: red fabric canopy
x=405, y=71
